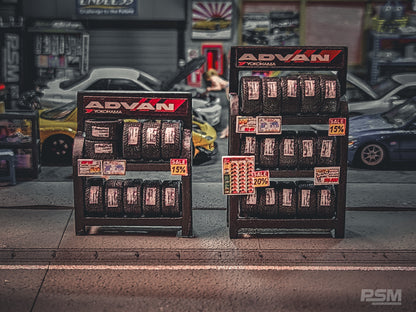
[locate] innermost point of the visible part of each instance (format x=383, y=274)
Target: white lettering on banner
x=382, y=296
x=105, y=2
x=11, y=59
x=159, y=107
x=286, y=58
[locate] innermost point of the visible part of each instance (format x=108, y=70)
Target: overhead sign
x=107, y=7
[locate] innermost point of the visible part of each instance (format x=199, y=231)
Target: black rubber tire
x=57, y=150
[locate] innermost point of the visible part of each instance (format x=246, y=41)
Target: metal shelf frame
x=185, y=115
x=338, y=64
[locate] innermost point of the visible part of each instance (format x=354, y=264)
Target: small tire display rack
x=142, y=108
x=32, y=145
x=244, y=60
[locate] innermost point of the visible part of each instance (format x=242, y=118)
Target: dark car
x=379, y=138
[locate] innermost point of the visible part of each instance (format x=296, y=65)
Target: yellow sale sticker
x=337, y=126
x=179, y=167
x=262, y=178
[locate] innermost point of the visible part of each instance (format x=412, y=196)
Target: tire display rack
x=32, y=145
x=130, y=106
x=249, y=59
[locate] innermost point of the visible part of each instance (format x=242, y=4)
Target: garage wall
x=153, y=51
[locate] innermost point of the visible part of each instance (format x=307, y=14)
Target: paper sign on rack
x=114, y=167
x=246, y=124
x=337, y=126
x=326, y=175
x=269, y=124
x=238, y=175
x=179, y=167
x=89, y=167
x=262, y=178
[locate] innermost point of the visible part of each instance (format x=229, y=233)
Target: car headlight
x=352, y=141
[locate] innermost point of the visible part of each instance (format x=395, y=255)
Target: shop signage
x=11, y=64
x=272, y=57
x=107, y=7
x=130, y=105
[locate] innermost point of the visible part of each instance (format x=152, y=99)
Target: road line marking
x=206, y=267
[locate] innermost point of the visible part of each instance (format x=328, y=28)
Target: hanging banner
x=107, y=7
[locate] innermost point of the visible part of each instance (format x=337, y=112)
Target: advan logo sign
x=121, y=106
x=299, y=56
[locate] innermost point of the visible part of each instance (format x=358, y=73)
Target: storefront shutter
x=153, y=51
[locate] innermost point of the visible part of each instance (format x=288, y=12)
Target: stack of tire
x=304, y=94
x=137, y=141
x=102, y=139
x=132, y=198
x=289, y=200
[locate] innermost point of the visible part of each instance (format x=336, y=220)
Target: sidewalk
x=39, y=227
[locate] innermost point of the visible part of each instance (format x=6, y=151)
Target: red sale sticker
x=337, y=126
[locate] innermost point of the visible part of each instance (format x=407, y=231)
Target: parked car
x=58, y=127
x=378, y=138
x=62, y=91
x=364, y=99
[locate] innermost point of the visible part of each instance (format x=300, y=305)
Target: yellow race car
x=58, y=127
x=215, y=23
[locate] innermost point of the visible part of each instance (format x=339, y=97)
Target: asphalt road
x=205, y=288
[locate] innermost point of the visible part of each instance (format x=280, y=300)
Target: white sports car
x=62, y=91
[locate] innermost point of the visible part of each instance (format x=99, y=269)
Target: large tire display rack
x=251, y=60
x=144, y=108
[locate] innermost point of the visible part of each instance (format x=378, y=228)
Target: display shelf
x=32, y=171
x=181, y=111
x=246, y=59
x=60, y=49
x=399, y=42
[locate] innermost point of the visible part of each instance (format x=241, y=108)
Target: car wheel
x=372, y=155
x=57, y=149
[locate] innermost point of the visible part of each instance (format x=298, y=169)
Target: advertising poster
x=238, y=175
x=211, y=19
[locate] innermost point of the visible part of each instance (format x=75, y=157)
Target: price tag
x=114, y=167
x=337, y=126
x=179, y=167
x=89, y=167
x=326, y=175
x=237, y=173
x=269, y=124
x=262, y=178
x=246, y=124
